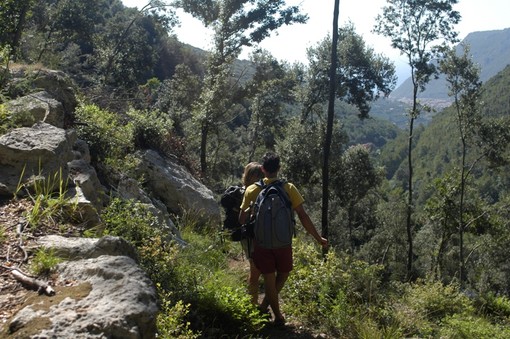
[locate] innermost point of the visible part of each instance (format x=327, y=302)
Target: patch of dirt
x=17, y=247
x=13, y=254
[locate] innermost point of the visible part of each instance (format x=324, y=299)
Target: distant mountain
x=490, y=50
x=437, y=146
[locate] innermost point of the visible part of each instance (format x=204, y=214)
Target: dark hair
x=271, y=162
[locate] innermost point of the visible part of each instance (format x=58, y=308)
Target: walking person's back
x=275, y=262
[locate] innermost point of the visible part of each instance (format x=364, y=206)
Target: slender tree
x=464, y=84
x=360, y=76
x=329, y=125
x=420, y=30
x=13, y=16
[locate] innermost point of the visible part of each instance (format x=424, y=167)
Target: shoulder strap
x=260, y=183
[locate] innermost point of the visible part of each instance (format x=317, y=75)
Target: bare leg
x=273, y=285
x=253, y=283
x=281, y=278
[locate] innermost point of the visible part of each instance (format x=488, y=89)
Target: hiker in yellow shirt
x=275, y=264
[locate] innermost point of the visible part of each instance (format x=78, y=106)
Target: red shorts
x=272, y=260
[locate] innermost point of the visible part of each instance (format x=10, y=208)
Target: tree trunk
x=203, y=148
x=409, y=221
x=462, y=269
x=19, y=30
x=329, y=127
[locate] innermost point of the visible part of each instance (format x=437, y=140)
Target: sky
x=291, y=42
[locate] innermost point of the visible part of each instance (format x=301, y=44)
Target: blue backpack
x=274, y=218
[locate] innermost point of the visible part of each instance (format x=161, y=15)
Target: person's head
x=252, y=173
x=271, y=164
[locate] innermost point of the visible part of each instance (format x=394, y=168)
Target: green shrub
x=171, y=320
x=368, y=328
x=332, y=289
x=138, y=225
x=131, y=220
x=44, y=261
x=437, y=301
x=495, y=306
x=228, y=305
x=420, y=307
x=107, y=136
x=150, y=128
x=461, y=326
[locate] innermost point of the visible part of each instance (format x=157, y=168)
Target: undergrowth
x=336, y=295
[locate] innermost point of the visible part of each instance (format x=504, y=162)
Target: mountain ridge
x=489, y=49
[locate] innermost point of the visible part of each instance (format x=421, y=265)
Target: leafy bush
x=422, y=306
x=171, y=321
x=194, y=283
x=44, y=261
x=150, y=128
x=496, y=307
x=229, y=306
x=332, y=289
x=462, y=326
x=107, y=136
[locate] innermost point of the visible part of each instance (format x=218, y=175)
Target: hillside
x=490, y=50
x=437, y=146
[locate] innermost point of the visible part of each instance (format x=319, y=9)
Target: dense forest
x=415, y=251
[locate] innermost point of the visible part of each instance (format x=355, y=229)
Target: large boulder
x=28, y=152
x=30, y=109
x=101, y=292
x=176, y=187
x=44, y=152
x=129, y=189
x=59, y=86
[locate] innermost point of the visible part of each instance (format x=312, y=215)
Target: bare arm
x=242, y=217
x=308, y=225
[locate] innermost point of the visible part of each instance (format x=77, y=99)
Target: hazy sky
x=291, y=42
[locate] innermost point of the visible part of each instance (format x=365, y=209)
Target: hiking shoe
x=279, y=322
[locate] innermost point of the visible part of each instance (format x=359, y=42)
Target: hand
x=323, y=242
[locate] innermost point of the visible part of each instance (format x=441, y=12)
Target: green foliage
x=375, y=131
x=333, y=289
x=406, y=22
x=362, y=75
x=301, y=152
x=230, y=304
x=3, y=236
x=4, y=119
x=495, y=307
x=190, y=279
x=462, y=326
x=422, y=306
x=50, y=201
x=150, y=128
x=354, y=179
x=44, y=261
x=107, y=136
x=131, y=220
x=171, y=321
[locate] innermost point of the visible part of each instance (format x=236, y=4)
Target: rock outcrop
x=101, y=293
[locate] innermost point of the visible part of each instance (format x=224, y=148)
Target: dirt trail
x=291, y=329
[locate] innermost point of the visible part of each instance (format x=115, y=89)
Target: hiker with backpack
x=275, y=201
x=231, y=201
